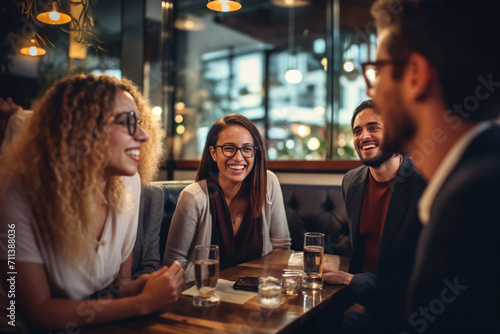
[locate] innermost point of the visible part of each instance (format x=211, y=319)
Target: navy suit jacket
x=456, y=279
x=384, y=294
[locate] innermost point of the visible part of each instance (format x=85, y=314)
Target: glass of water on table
x=206, y=275
x=314, y=250
x=292, y=281
x=269, y=292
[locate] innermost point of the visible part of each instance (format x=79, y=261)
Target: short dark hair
x=459, y=38
x=255, y=185
x=368, y=104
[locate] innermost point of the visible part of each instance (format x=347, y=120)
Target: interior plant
x=82, y=26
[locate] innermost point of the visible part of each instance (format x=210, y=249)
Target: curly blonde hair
x=60, y=156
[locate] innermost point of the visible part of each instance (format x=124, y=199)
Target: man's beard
x=395, y=141
x=377, y=160
x=399, y=128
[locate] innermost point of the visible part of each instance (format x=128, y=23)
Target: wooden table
x=183, y=317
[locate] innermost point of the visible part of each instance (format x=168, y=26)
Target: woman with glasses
x=235, y=203
x=69, y=207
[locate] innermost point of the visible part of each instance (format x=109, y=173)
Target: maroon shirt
x=371, y=222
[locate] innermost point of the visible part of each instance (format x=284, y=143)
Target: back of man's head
x=459, y=38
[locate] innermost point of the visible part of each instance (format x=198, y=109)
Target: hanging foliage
x=82, y=25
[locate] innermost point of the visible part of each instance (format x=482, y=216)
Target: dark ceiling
x=270, y=24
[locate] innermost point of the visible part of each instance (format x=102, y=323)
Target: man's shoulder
x=351, y=179
x=476, y=177
x=481, y=173
x=355, y=173
x=408, y=174
x=481, y=160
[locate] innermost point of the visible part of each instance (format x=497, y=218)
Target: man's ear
x=420, y=76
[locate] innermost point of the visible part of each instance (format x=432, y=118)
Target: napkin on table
x=226, y=292
x=331, y=262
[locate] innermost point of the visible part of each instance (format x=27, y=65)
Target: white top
x=449, y=162
x=192, y=224
x=114, y=247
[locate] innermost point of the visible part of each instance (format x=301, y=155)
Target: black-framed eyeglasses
x=128, y=119
x=370, y=71
x=230, y=151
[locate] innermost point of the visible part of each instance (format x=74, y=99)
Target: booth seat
x=309, y=208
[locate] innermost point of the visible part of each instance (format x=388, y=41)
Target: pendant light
x=189, y=23
x=52, y=14
x=32, y=49
x=290, y=3
x=293, y=74
x=224, y=5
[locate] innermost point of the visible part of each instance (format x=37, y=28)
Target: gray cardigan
x=192, y=224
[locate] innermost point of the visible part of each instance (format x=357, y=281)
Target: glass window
x=292, y=67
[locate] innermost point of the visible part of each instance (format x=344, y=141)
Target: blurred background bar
x=291, y=66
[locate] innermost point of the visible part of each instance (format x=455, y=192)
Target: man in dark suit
x=436, y=84
x=381, y=202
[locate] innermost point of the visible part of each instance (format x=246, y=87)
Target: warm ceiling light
x=189, y=23
x=290, y=3
x=32, y=49
x=52, y=14
x=224, y=5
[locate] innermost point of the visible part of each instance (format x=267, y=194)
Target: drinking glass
x=292, y=281
x=206, y=275
x=314, y=250
x=311, y=298
x=269, y=292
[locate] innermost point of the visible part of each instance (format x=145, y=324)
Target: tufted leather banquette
x=309, y=208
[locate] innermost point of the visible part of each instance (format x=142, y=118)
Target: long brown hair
x=255, y=183
x=60, y=155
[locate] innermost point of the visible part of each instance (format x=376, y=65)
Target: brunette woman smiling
x=235, y=203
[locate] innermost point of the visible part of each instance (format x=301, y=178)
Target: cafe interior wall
x=117, y=57
x=196, y=46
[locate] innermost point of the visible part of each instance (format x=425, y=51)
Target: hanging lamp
x=32, y=49
x=189, y=23
x=293, y=74
x=290, y=3
x=224, y=5
x=52, y=13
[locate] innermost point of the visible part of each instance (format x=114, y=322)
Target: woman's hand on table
x=163, y=287
x=133, y=288
x=337, y=277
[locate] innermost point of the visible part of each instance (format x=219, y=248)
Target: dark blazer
x=456, y=278
x=384, y=294
x=146, y=253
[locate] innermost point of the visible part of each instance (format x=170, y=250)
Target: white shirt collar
x=447, y=165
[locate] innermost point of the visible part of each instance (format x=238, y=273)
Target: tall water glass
x=206, y=275
x=314, y=250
